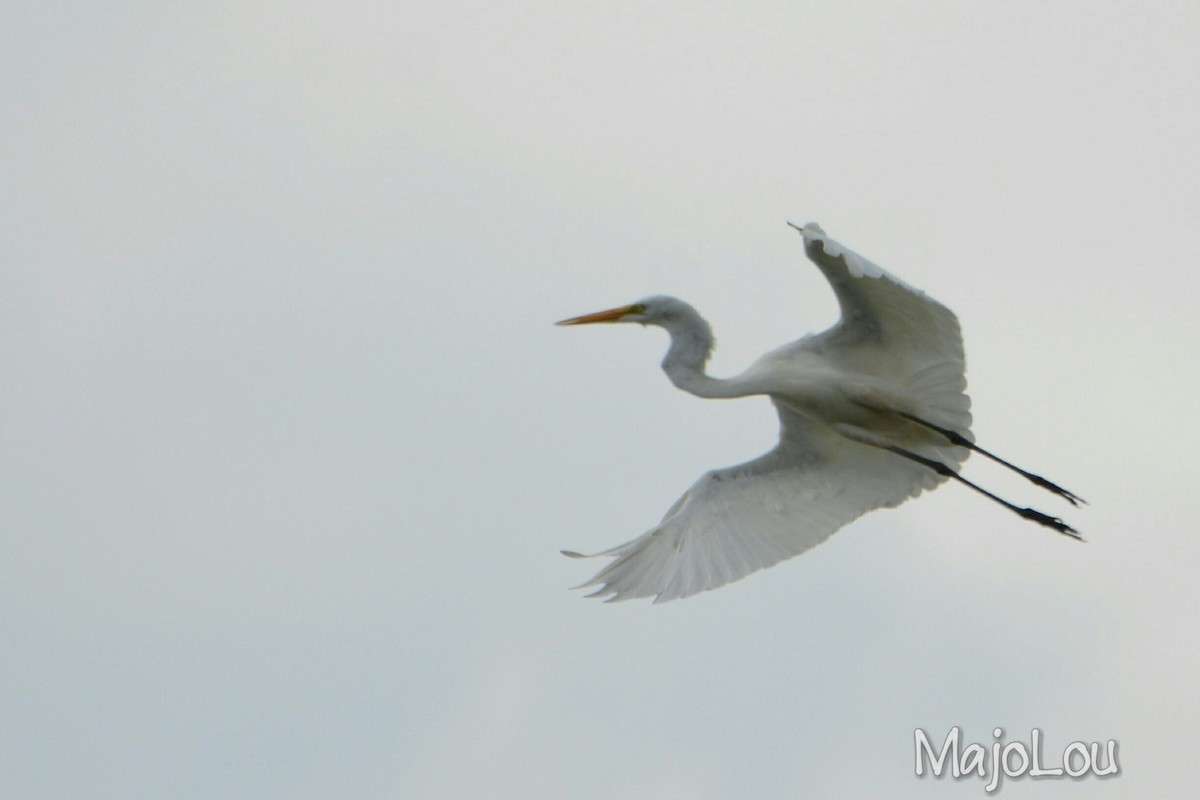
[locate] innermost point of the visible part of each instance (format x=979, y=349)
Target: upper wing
x=891, y=330
x=738, y=520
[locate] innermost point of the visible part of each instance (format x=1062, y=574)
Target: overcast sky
x=289, y=445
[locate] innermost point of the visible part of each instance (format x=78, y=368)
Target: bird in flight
x=871, y=412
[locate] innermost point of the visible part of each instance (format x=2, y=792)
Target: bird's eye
x=637, y=308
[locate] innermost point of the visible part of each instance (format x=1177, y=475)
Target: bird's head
x=657, y=310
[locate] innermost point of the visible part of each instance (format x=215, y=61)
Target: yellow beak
x=612, y=315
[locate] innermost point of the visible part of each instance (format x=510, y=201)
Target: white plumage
x=872, y=412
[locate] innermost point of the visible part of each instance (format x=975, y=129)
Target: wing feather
x=741, y=519
x=891, y=330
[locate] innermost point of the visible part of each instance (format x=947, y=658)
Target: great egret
x=872, y=412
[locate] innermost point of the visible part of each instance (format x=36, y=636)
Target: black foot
x=1070, y=497
x=1050, y=522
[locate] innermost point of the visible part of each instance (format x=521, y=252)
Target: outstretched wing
x=891, y=330
x=738, y=520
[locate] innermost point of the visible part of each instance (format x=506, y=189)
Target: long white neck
x=691, y=345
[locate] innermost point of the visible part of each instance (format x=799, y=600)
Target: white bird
x=872, y=412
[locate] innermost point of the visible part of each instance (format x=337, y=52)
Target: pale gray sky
x=288, y=444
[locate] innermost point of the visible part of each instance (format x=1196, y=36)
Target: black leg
x=962, y=441
x=1028, y=513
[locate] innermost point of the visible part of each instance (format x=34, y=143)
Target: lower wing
x=738, y=520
